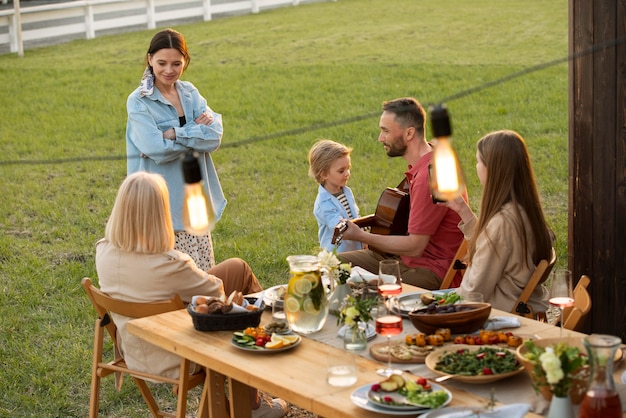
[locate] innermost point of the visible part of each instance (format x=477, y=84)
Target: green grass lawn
x=282, y=79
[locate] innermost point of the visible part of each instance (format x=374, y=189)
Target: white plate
x=401, y=398
x=520, y=409
x=271, y=294
x=360, y=398
x=409, y=302
x=265, y=350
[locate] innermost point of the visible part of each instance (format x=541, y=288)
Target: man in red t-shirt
x=433, y=234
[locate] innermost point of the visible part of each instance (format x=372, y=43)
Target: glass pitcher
x=306, y=305
x=601, y=399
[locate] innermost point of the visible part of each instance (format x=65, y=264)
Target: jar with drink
x=601, y=398
x=306, y=304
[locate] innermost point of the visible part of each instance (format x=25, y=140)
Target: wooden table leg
x=213, y=403
x=239, y=399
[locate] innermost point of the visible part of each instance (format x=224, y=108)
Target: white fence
x=54, y=23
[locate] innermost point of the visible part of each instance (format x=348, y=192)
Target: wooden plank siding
x=597, y=159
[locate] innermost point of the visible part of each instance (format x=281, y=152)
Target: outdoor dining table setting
x=406, y=372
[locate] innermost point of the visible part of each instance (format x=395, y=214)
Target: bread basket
x=227, y=321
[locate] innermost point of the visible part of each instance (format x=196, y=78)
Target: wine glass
x=388, y=324
x=389, y=280
x=561, y=293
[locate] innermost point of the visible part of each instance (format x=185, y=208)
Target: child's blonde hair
x=322, y=155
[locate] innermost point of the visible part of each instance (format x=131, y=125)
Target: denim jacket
x=328, y=211
x=147, y=150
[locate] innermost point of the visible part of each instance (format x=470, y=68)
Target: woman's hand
x=204, y=119
x=170, y=134
x=460, y=206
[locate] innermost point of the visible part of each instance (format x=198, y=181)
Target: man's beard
x=397, y=148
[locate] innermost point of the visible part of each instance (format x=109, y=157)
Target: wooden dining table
x=299, y=375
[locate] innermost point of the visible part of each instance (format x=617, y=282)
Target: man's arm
x=408, y=245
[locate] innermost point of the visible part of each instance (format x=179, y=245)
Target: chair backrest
x=456, y=267
x=103, y=304
x=574, y=317
x=540, y=275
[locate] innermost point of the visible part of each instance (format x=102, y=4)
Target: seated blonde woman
x=510, y=236
x=136, y=262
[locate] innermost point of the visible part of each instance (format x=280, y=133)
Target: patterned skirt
x=199, y=248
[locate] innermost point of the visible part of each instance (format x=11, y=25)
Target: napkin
x=359, y=274
x=517, y=410
x=500, y=322
x=370, y=332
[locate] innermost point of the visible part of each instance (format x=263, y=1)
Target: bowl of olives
x=460, y=318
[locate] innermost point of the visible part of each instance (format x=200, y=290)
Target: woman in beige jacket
x=510, y=236
x=136, y=261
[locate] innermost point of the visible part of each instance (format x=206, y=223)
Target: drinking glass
x=389, y=279
x=561, y=292
x=341, y=370
x=388, y=324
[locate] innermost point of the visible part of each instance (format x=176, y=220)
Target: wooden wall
x=597, y=158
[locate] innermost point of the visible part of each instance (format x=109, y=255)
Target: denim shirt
x=328, y=211
x=147, y=150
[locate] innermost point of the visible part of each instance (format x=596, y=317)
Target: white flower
x=552, y=366
x=328, y=260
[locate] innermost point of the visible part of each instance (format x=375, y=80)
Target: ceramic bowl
x=579, y=387
x=463, y=322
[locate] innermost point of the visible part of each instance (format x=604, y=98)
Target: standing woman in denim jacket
x=167, y=118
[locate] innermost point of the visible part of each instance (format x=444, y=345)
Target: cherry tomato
x=487, y=371
x=260, y=341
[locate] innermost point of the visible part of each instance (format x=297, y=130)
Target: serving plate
x=433, y=358
x=274, y=293
x=375, y=398
x=359, y=397
x=409, y=302
x=264, y=350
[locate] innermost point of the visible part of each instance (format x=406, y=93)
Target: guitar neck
x=365, y=221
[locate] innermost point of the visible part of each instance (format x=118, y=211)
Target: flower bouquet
x=337, y=272
x=558, y=367
x=355, y=313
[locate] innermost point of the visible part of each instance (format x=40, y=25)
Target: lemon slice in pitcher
x=303, y=285
x=292, y=304
x=309, y=307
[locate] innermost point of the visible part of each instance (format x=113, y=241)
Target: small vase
x=561, y=407
x=337, y=297
x=355, y=338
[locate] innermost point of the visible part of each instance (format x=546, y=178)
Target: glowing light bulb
x=446, y=176
x=198, y=212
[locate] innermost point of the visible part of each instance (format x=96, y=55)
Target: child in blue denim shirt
x=329, y=165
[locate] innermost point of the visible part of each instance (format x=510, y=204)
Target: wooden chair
x=457, y=265
x=104, y=304
x=540, y=275
x=574, y=317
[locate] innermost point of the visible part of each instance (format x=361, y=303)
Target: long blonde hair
x=140, y=220
x=510, y=178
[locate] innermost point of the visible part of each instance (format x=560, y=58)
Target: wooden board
x=383, y=356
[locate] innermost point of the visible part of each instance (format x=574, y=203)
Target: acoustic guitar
x=391, y=216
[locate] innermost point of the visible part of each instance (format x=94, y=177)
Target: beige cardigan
x=497, y=269
x=146, y=278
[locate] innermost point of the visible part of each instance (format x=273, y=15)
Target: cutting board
x=383, y=356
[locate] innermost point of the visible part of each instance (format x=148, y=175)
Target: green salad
x=482, y=362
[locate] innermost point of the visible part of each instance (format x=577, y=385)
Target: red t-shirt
x=428, y=218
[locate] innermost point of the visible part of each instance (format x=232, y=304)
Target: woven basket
x=222, y=322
